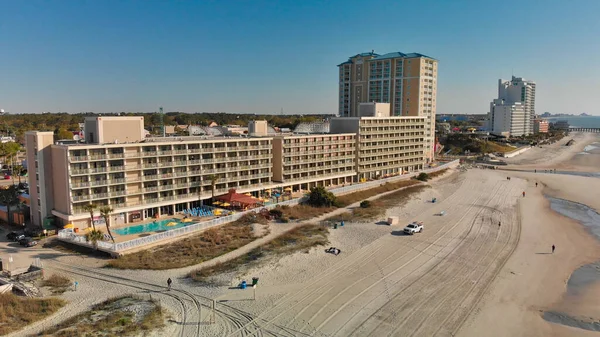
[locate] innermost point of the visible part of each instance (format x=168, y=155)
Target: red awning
x=232, y=197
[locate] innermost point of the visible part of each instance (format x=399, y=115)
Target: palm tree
x=8, y=197
x=91, y=208
x=213, y=183
x=18, y=170
x=94, y=236
x=105, y=212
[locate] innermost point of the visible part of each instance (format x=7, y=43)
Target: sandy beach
x=485, y=268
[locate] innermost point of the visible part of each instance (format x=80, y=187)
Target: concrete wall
x=344, y=125
x=60, y=192
x=39, y=157
x=278, y=159
x=102, y=130
x=258, y=128
x=516, y=152
x=373, y=109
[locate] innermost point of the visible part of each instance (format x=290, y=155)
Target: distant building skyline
x=513, y=112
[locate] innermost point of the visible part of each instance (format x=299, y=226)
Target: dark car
x=33, y=232
x=27, y=242
x=12, y=236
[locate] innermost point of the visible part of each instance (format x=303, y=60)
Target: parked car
x=12, y=236
x=33, y=232
x=27, y=242
x=412, y=228
x=7, y=177
x=19, y=237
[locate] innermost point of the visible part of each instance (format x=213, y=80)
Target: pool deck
x=122, y=238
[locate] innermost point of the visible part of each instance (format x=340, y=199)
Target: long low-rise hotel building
x=385, y=145
x=299, y=160
x=141, y=177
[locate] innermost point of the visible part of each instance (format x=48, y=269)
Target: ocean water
x=579, y=121
x=579, y=212
x=585, y=275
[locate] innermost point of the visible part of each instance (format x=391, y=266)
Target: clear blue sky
x=261, y=56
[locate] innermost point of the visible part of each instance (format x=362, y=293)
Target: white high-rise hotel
x=512, y=113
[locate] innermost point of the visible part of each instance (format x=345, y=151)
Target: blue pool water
x=159, y=225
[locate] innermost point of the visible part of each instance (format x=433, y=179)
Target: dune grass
x=57, y=283
x=350, y=198
x=194, y=249
x=113, y=317
x=304, y=212
x=298, y=239
x=380, y=205
x=17, y=312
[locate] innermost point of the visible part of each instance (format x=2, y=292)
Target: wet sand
x=539, y=293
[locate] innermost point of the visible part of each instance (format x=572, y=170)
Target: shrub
x=277, y=213
x=365, y=204
x=422, y=176
x=284, y=220
x=320, y=197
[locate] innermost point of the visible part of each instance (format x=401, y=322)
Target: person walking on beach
x=499, y=224
x=523, y=194
x=169, y=281
x=535, y=184
x=553, y=248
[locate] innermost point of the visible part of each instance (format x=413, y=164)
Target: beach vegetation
x=320, y=197
x=301, y=238
x=192, y=250
x=118, y=317
x=18, y=311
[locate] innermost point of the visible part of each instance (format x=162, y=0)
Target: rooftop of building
x=398, y=54
x=314, y=135
x=387, y=56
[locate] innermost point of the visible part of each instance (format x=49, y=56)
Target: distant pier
x=593, y=130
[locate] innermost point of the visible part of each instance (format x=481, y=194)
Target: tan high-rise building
x=408, y=82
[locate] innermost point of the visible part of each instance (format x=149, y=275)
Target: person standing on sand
x=535, y=184
x=553, y=248
x=169, y=281
x=523, y=194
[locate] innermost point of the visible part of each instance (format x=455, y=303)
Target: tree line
x=63, y=124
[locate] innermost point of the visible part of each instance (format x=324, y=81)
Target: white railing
x=375, y=183
x=69, y=235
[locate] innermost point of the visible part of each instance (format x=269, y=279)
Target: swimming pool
x=159, y=225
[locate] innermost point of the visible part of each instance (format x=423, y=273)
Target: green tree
x=9, y=197
x=94, y=236
x=91, y=208
x=320, y=197
x=62, y=133
x=8, y=151
x=18, y=170
x=105, y=212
